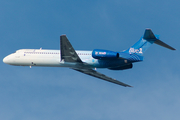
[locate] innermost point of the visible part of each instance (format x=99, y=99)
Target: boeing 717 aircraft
x=86, y=61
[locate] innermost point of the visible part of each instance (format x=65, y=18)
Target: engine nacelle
x=122, y=67
x=104, y=54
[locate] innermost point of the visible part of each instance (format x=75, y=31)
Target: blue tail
x=145, y=42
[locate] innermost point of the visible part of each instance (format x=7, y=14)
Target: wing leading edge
x=94, y=73
x=68, y=54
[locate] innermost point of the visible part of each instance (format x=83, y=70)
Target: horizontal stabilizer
x=159, y=42
x=149, y=36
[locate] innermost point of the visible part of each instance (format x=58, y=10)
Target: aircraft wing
x=94, y=73
x=68, y=54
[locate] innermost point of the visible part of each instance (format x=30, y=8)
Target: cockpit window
x=18, y=51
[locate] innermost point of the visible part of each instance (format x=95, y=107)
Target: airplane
x=86, y=61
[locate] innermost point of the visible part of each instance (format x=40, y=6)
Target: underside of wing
x=94, y=73
x=68, y=54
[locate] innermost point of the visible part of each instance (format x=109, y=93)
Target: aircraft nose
x=5, y=60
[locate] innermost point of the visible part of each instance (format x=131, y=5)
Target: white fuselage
x=43, y=57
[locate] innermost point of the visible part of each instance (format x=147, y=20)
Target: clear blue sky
x=43, y=93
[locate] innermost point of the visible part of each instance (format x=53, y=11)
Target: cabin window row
x=84, y=54
x=40, y=53
x=52, y=53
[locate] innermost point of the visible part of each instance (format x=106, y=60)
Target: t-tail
x=145, y=42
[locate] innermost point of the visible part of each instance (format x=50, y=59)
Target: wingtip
x=63, y=35
x=173, y=49
x=129, y=86
x=126, y=85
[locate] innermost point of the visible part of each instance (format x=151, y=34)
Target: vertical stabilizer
x=145, y=42
x=148, y=35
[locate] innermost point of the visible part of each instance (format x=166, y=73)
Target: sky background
x=45, y=93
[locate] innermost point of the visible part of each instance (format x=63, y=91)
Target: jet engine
x=104, y=54
x=129, y=66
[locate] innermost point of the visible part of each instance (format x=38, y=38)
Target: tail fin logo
x=132, y=51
